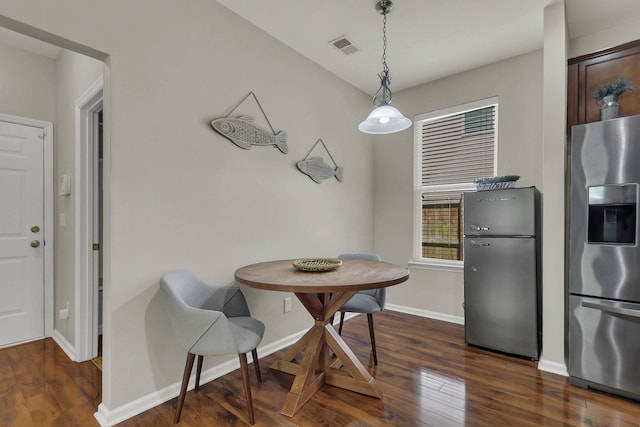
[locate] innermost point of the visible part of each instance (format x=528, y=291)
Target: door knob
x=35, y=229
x=35, y=243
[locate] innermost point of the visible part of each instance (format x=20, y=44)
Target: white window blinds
x=452, y=147
x=458, y=148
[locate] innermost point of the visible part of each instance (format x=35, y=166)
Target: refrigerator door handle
x=477, y=244
x=613, y=309
x=475, y=227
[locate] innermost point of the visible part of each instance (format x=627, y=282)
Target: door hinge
x=96, y=246
x=41, y=133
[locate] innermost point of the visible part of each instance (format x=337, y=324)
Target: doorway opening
x=89, y=247
x=97, y=233
x=74, y=254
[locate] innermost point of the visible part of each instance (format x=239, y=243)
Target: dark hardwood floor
x=40, y=386
x=429, y=377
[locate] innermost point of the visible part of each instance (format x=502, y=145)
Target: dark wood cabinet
x=586, y=72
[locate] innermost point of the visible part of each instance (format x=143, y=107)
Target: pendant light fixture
x=384, y=118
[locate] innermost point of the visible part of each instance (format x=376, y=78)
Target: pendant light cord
x=383, y=94
x=385, y=68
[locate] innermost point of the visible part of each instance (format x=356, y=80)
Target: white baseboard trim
x=543, y=365
x=109, y=417
x=102, y=415
x=553, y=367
x=13, y=344
x=64, y=344
x=426, y=313
x=347, y=316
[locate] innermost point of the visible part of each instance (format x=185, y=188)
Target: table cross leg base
x=326, y=358
x=316, y=369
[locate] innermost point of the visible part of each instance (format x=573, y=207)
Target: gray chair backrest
x=364, y=256
x=197, y=312
x=379, y=294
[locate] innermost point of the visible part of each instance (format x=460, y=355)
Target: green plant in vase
x=606, y=96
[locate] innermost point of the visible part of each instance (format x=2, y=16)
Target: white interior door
x=21, y=233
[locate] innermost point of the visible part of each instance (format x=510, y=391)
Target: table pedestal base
x=318, y=367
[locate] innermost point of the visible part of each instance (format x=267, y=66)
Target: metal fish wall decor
x=243, y=132
x=318, y=170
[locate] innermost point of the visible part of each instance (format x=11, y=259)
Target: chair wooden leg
x=198, y=371
x=256, y=364
x=373, y=338
x=244, y=367
x=333, y=315
x=341, y=322
x=185, y=382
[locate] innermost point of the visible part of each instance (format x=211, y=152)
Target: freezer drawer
x=604, y=348
x=500, y=295
x=500, y=212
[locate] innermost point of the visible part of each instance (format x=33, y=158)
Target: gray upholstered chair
x=210, y=321
x=367, y=301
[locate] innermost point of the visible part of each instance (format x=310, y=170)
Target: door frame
x=86, y=288
x=47, y=128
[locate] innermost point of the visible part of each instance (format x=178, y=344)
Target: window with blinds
x=453, y=147
x=459, y=148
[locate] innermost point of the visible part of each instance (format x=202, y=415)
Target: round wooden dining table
x=326, y=358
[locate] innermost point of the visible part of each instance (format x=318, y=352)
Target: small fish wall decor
x=245, y=133
x=317, y=169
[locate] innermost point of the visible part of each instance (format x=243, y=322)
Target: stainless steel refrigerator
x=604, y=257
x=502, y=271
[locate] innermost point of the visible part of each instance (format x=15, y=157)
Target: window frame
x=419, y=189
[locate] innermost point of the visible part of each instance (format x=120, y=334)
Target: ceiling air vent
x=344, y=45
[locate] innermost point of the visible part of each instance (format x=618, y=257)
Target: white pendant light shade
x=384, y=119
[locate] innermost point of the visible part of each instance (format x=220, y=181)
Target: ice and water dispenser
x=603, y=310
x=612, y=214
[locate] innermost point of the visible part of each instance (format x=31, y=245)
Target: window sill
x=456, y=266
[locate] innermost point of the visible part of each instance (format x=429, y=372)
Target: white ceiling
x=427, y=39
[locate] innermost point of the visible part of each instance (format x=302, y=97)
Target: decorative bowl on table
x=496, y=182
x=317, y=264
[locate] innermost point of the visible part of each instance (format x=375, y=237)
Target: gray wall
x=27, y=84
x=518, y=84
x=179, y=195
